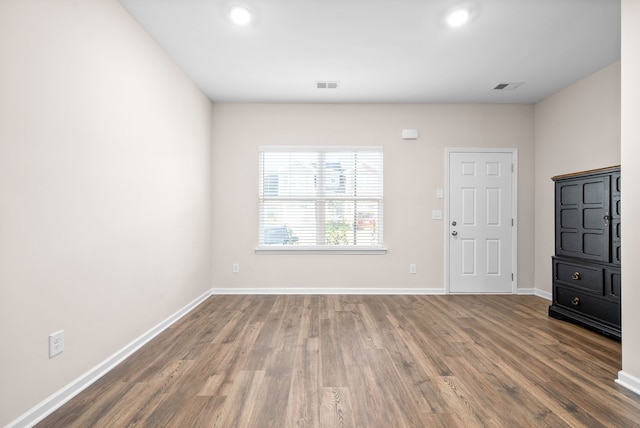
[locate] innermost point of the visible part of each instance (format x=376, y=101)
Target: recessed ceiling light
x=240, y=15
x=458, y=17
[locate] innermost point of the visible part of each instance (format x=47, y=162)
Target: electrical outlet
x=412, y=269
x=436, y=215
x=56, y=343
x=236, y=268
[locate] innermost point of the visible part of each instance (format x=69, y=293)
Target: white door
x=480, y=222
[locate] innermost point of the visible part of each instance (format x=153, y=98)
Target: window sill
x=291, y=249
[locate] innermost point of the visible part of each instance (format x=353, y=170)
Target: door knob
x=453, y=223
x=454, y=233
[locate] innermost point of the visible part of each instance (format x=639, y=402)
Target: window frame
x=319, y=199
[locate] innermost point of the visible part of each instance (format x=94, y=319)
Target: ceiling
x=384, y=51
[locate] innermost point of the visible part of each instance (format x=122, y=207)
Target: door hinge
x=512, y=277
x=512, y=168
x=511, y=222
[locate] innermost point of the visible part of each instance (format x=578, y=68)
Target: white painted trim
x=60, y=397
x=319, y=250
x=544, y=294
x=533, y=292
x=629, y=381
x=323, y=149
x=514, y=209
x=330, y=291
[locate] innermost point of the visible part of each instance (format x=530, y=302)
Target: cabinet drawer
x=587, y=304
x=590, y=278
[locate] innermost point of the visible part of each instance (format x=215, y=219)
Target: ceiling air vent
x=508, y=86
x=327, y=85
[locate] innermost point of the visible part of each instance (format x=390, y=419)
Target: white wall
x=413, y=170
x=104, y=190
x=576, y=129
x=631, y=179
x=106, y=185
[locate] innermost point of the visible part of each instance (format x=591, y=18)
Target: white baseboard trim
x=357, y=291
x=60, y=397
x=533, y=292
x=630, y=382
x=325, y=291
x=544, y=295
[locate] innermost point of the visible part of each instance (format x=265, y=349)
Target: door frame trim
x=514, y=210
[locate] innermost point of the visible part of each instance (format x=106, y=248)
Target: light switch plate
x=436, y=215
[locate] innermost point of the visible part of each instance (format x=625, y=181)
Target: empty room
x=380, y=213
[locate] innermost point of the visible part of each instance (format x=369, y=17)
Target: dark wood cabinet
x=586, y=266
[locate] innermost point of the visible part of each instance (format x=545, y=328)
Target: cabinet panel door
x=613, y=283
x=582, y=212
x=615, y=218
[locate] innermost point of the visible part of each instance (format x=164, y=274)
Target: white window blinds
x=320, y=197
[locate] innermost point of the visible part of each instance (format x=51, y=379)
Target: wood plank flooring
x=363, y=361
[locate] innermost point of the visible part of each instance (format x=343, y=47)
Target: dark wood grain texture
x=363, y=361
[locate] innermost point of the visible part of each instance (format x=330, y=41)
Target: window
x=326, y=198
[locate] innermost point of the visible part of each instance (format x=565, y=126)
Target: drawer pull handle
x=576, y=276
x=575, y=301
